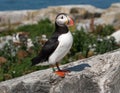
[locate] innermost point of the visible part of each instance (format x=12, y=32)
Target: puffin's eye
x=62, y=17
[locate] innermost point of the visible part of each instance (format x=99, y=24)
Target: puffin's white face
x=63, y=19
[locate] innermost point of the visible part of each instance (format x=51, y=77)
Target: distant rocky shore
x=82, y=15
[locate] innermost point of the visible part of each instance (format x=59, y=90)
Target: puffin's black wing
x=46, y=51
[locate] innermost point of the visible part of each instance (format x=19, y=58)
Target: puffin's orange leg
x=60, y=72
x=57, y=65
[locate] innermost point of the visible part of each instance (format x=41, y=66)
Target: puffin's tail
x=35, y=60
x=39, y=61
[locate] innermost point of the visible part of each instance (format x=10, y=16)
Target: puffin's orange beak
x=70, y=22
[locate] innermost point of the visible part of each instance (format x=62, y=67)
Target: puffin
x=57, y=46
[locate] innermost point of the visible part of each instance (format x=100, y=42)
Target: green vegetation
x=43, y=27
x=85, y=45
x=89, y=44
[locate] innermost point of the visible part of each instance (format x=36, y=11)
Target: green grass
x=83, y=44
x=43, y=27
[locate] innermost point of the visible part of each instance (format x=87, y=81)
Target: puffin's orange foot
x=60, y=73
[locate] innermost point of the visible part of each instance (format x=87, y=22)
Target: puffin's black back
x=50, y=45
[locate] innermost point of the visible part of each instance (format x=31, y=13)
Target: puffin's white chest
x=65, y=43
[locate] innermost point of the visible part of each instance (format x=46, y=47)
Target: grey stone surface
x=98, y=74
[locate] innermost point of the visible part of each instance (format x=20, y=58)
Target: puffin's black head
x=63, y=19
